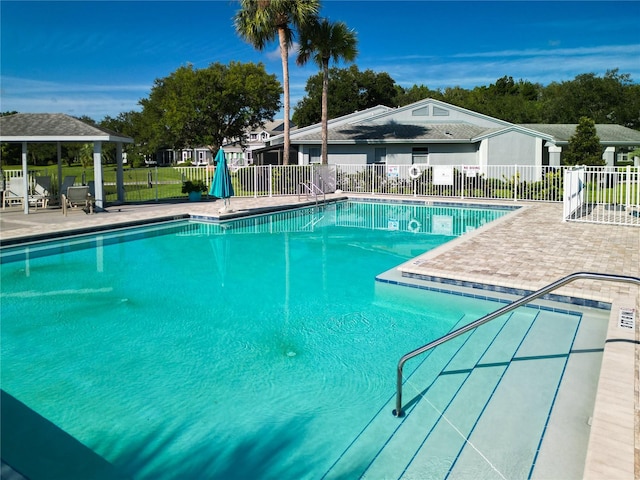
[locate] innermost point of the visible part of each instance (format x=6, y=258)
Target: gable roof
x=609, y=134
x=301, y=132
x=427, y=120
x=434, y=121
x=54, y=127
x=399, y=132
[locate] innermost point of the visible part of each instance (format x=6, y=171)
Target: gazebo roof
x=54, y=127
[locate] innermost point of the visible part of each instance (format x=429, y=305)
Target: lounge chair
x=66, y=183
x=13, y=194
x=41, y=192
x=77, y=197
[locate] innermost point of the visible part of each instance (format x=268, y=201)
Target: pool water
x=259, y=348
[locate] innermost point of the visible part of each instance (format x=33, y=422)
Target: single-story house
x=436, y=133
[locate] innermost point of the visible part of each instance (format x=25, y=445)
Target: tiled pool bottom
x=517, y=397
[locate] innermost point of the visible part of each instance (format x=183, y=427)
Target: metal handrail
x=313, y=189
x=501, y=311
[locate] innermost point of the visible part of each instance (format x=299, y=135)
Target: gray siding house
x=432, y=132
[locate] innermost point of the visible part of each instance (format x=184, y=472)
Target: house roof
x=429, y=120
x=608, y=133
x=400, y=132
x=54, y=127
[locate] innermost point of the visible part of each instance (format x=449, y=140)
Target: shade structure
x=221, y=187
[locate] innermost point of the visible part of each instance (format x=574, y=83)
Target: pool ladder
x=501, y=311
x=311, y=189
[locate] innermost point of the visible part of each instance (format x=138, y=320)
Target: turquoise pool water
x=260, y=348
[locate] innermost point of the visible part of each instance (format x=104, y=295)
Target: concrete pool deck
x=526, y=250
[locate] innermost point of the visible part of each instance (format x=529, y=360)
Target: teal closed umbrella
x=221, y=187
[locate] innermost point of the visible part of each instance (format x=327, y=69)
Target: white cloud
x=93, y=100
x=536, y=65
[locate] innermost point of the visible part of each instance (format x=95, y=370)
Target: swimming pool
x=264, y=347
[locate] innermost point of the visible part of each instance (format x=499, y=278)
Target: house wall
x=456, y=154
x=443, y=114
x=439, y=154
x=512, y=148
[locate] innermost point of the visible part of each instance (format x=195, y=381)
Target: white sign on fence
x=393, y=171
x=442, y=175
x=471, y=171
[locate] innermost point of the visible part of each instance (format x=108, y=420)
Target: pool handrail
x=497, y=313
x=313, y=190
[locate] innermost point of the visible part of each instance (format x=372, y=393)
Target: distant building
x=238, y=153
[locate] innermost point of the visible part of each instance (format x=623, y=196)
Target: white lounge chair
x=41, y=192
x=77, y=197
x=13, y=194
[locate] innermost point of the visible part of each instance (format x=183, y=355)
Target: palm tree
x=324, y=41
x=260, y=21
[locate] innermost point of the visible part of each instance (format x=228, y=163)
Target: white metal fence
x=606, y=195
x=602, y=195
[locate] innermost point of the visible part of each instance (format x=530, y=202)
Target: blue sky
x=100, y=58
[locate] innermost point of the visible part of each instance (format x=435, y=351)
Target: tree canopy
x=192, y=107
x=612, y=98
x=350, y=90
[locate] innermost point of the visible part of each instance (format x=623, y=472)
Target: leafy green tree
x=350, y=90
x=323, y=41
x=192, y=107
x=584, y=145
x=132, y=124
x=508, y=100
x=260, y=21
x=10, y=153
x=42, y=153
x=86, y=155
x=457, y=96
x=407, y=96
x=604, y=99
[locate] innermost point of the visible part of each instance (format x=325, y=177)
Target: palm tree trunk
x=325, y=107
x=284, y=55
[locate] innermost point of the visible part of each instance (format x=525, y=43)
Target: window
x=420, y=112
x=314, y=155
x=440, y=112
x=380, y=155
x=420, y=155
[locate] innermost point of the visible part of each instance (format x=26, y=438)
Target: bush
x=193, y=186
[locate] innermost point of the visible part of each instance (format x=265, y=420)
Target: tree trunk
x=284, y=55
x=325, y=108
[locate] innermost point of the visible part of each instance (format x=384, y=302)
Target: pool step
x=462, y=415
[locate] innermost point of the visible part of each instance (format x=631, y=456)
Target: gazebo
x=59, y=128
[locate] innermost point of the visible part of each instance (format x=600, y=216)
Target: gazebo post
x=25, y=179
x=59, y=145
x=119, y=173
x=97, y=174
